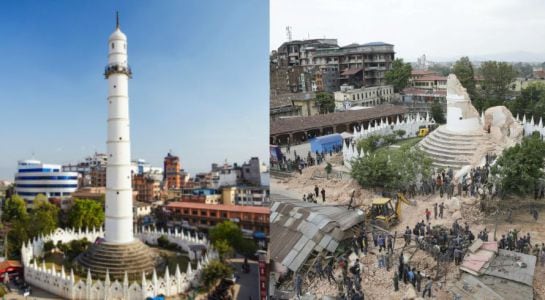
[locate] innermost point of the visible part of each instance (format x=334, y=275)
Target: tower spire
x=117, y=19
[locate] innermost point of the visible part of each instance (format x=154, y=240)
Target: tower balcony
x=117, y=68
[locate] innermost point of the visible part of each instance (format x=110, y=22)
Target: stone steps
x=134, y=258
x=450, y=149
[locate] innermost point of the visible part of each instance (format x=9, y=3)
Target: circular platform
x=134, y=258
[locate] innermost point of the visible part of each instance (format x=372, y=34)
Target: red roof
x=431, y=78
x=222, y=207
x=539, y=74
x=9, y=264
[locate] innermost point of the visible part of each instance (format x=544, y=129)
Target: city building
x=430, y=82
x=349, y=96
x=293, y=104
x=252, y=195
x=369, y=61
x=299, y=129
x=34, y=177
x=201, y=195
x=299, y=52
x=172, y=178
x=251, y=172
x=147, y=187
x=98, y=176
x=254, y=218
x=419, y=101
x=326, y=79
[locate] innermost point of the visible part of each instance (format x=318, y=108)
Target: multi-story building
x=201, y=195
x=251, y=172
x=98, y=176
x=172, y=178
x=371, y=59
x=148, y=187
x=419, y=101
x=85, y=167
x=326, y=79
x=34, y=177
x=430, y=82
x=349, y=97
x=253, y=218
x=294, y=53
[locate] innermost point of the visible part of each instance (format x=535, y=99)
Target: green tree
x=86, y=213
x=325, y=102
x=214, y=271
x=497, y=80
x=369, y=144
x=441, y=69
x=437, y=112
x=399, y=74
x=391, y=169
x=531, y=101
x=463, y=69
x=44, y=217
x=520, y=167
x=400, y=133
x=17, y=235
x=224, y=249
x=14, y=209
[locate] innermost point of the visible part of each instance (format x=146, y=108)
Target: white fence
x=65, y=285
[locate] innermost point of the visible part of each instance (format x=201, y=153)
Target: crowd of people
x=296, y=162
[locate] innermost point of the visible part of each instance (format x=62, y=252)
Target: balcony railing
x=117, y=68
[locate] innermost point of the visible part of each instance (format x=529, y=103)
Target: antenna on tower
x=117, y=19
x=288, y=33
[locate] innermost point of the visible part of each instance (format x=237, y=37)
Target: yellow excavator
x=384, y=212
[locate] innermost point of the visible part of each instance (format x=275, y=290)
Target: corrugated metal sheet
x=304, y=227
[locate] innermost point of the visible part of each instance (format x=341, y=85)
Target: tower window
x=113, y=45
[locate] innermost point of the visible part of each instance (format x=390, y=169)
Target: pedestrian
x=418, y=278
x=317, y=191
x=435, y=211
x=427, y=288
x=381, y=243
x=318, y=269
x=329, y=273
x=390, y=244
x=428, y=214
x=323, y=195
x=396, y=282
x=410, y=275
x=298, y=285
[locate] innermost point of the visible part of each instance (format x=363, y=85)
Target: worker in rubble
x=457, y=256
x=323, y=195
x=435, y=211
x=542, y=255
x=418, y=280
x=427, y=288
x=329, y=273
x=381, y=243
x=535, y=252
x=502, y=242
x=510, y=215
x=318, y=268
x=410, y=277
x=441, y=208
x=396, y=281
x=298, y=285
x=317, y=191
x=356, y=245
x=428, y=214
x=407, y=236
x=390, y=244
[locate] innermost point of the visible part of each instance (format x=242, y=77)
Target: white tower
x=119, y=215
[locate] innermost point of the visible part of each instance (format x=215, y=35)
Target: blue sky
x=199, y=87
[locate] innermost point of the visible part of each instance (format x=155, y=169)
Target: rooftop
x=295, y=124
x=221, y=207
x=431, y=78
x=306, y=227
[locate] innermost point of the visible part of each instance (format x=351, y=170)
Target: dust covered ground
x=378, y=283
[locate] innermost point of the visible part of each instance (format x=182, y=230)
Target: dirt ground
x=377, y=283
